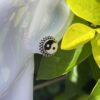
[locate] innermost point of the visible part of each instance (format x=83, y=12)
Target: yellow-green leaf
x=98, y=30
x=86, y=9
x=96, y=49
x=95, y=94
x=61, y=63
x=78, y=34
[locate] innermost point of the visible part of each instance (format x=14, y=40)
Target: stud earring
x=48, y=46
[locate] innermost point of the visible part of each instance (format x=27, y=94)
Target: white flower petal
x=22, y=87
x=7, y=7
x=48, y=20
x=21, y=35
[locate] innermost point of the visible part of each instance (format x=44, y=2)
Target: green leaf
x=62, y=96
x=76, y=80
x=86, y=51
x=95, y=94
x=78, y=34
x=77, y=19
x=96, y=49
x=37, y=60
x=83, y=97
x=62, y=62
x=74, y=59
x=98, y=30
x=94, y=68
x=88, y=10
x=56, y=65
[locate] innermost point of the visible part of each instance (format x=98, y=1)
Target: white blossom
x=22, y=26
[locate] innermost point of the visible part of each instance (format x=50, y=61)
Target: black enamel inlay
x=49, y=44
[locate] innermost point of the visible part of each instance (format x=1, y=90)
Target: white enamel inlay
x=53, y=48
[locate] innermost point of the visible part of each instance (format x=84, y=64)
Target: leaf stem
x=45, y=84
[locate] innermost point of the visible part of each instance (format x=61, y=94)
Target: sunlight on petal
x=88, y=10
x=78, y=34
x=98, y=30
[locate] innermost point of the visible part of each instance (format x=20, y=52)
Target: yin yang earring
x=48, y=46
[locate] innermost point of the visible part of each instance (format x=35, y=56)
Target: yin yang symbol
x=48, y=46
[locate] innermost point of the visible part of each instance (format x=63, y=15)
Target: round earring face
x=48, y=46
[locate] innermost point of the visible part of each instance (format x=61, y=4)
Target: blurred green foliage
x=80, y=69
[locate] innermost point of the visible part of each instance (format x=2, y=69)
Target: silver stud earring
x=48, y=46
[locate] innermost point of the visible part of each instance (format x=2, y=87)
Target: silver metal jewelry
x=48, y=46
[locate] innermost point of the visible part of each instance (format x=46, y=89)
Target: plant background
x=68, y=75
